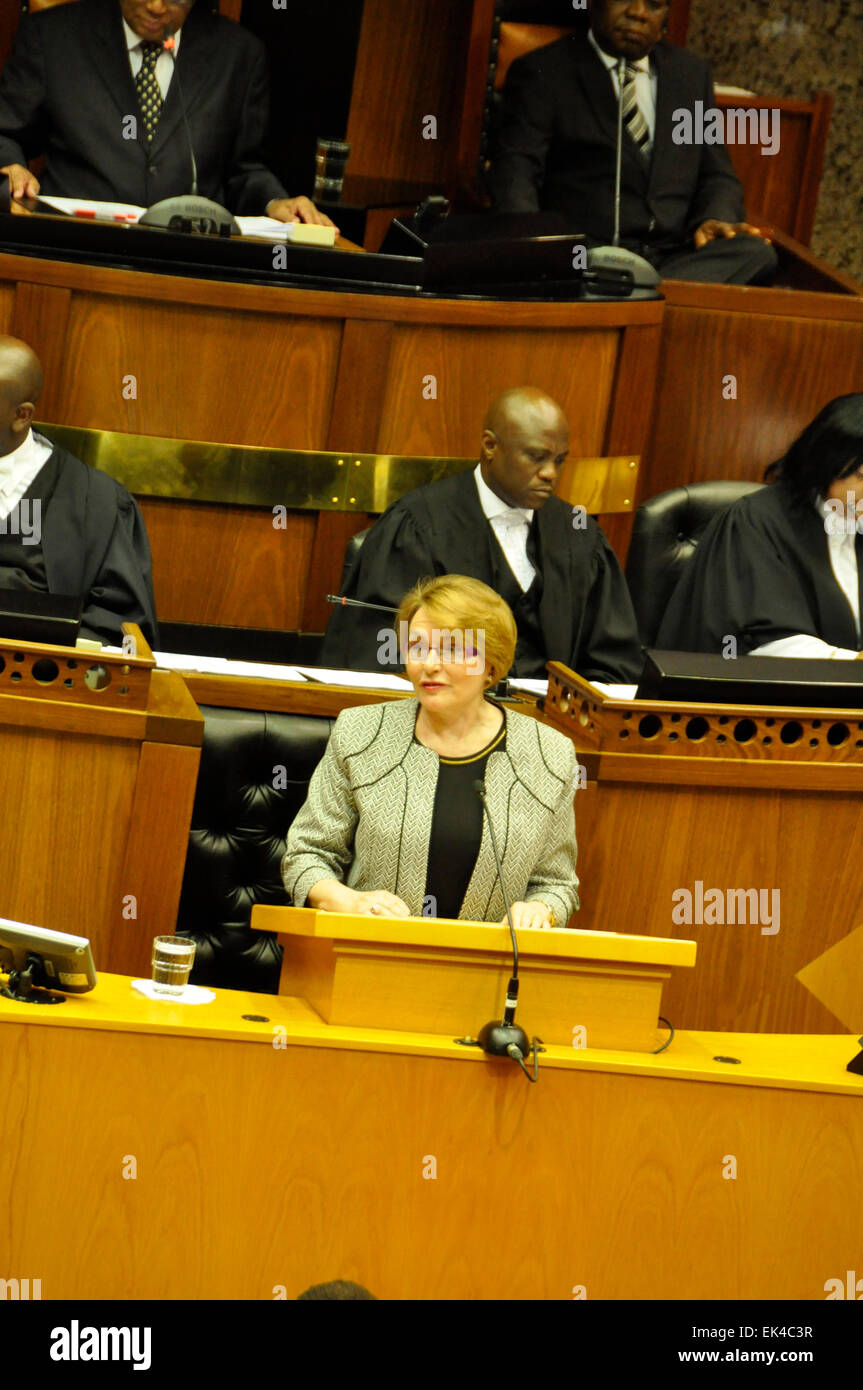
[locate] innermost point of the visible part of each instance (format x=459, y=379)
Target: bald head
x=522, y=405
x=525, y=440
x=20, y=388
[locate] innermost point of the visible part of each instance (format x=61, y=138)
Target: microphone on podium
x=505, y=1039
x=188, y=212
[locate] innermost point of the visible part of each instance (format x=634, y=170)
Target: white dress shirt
x=18, y=469
x=510, y=525
x=164, y=63
x=645, y=83
x=843, y=561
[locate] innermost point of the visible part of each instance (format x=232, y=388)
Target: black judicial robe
x=760, y=572
x=584, y=611
x=94, y=544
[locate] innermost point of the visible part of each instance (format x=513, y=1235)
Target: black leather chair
x=352, y=550
x=665, y=531
x=243, y=808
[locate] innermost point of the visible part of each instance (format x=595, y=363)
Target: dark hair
x=337, y=1289
x=830, y=447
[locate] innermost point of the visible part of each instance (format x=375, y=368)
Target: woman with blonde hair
x=393, y=824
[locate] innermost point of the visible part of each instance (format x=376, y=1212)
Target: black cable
x=668, y=1041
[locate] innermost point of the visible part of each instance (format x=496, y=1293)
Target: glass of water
x=173, y=957
x=331, y=159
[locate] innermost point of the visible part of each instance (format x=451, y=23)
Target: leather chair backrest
x=352, y=550
x=253, y=779
x=665, y=531
x=517, y=39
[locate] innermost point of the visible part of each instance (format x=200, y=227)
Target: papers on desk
x=302, y=233
x=220, y=666
x=86, y=207
x=355, y=680
x=266, y=671
x=529, y=687
x=616, y=692
x=537, y=687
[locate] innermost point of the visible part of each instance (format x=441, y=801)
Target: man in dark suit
x=91, y=86
x=500, y=523
x=681, y=204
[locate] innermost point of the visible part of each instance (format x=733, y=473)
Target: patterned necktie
x=633, y=116
x=149, y=95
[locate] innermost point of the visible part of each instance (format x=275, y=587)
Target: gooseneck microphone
x=188, y=212
x=504, y=1039
x=359, y=603
x=168, y=44
x=612, y=269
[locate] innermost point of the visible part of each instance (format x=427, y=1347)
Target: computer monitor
x=36, y=957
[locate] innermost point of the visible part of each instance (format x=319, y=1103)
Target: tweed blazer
x=368, y=816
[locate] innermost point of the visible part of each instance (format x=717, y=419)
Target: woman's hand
x=379, y=903
x=329, y=895
x=530, y=915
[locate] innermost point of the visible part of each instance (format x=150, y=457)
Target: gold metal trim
x=303, y=479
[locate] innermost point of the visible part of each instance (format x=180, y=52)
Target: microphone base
x=612, y=270
x=495, y=1038
x=189, y=213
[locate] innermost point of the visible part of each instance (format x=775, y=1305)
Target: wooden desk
x=268, y=1156
x=98, y=802
x=307, y=369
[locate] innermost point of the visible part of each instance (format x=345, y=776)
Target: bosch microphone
x=188, y=212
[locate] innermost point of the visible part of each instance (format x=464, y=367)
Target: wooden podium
x=437, y=975
x=97, y=779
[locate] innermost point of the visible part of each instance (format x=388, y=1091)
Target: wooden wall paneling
x=473, y=107
x=726, y=838
x=41, y=317
x=472, y=365
x=629, y=418
x=814, y=167
x=354, y=425
x=155, y=856
x=228, y=565
x=782, y=188
x=69, y=800
x=355, y=414
x=199, y=372
x=786, y=369
x=410, y=64
x=8, y=294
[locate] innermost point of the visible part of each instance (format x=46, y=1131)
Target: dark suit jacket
x=68, y=86
x=556, y=148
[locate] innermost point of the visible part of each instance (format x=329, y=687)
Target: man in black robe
x=500, y=523
x=66, y=528
x=773, y=575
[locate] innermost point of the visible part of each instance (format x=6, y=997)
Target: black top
x=456, y=830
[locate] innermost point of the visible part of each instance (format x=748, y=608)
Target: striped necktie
x=633, y=116
x=149, y=95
